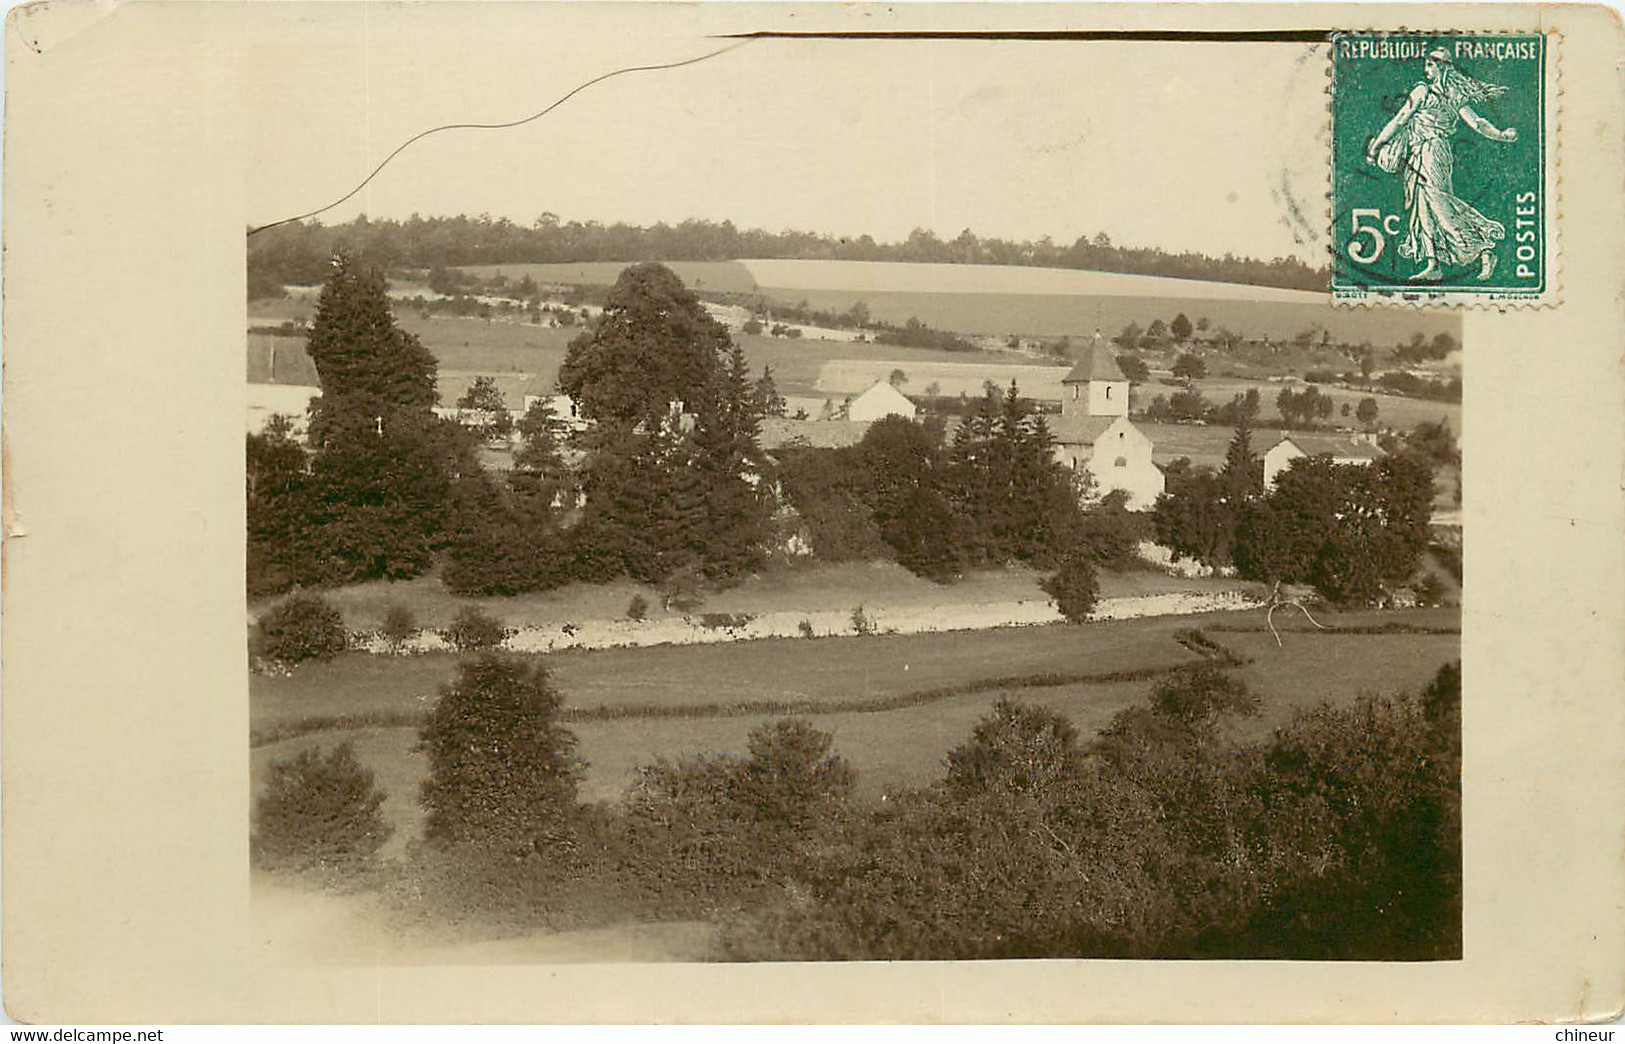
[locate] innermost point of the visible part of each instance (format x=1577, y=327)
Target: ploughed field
x=895, y=704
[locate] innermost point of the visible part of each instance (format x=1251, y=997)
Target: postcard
x=813, y=513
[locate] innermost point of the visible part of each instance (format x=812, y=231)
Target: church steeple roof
x=1099, y=363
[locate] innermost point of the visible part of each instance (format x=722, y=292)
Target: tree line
x=298, y=252
x=1166, y=836
x=1356, y=533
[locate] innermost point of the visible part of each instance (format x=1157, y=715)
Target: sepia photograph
x=889, y=499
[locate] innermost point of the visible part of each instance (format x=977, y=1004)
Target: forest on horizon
x=298, y=252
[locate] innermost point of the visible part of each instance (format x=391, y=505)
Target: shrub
x=1202, y=694
x=637, y=608
x=862, y=623
x=502, y=771
x=475, y=629
x=713, y=832
x=319, y=813
x=1110, y=534
x=302, y=627
x=806, y=628
x=399, y=624
x=1074, y=587
x=792, y=776
x=1016, y=747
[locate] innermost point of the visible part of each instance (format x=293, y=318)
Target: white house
x=1094, y=433
x=564, y=408
x=880, y=400
x=1342, y=449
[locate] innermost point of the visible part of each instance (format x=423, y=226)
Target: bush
x=792, y=777
x=806, y=628
x=1200, y=695
x=637, y=608
x=399, y=624
x=1110, y=534
x=862, y=623
x=1016, y=747
x=1074, y=587
x=710, y=833
x=475, y=629
x=502, y=771
x=303, y=627
x=319, y=813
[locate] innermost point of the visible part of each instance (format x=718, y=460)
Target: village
x=699, y=531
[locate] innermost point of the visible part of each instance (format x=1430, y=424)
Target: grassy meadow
x=895, y=704
x=1399, y=412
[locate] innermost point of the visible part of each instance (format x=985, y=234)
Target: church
x=1094, y=433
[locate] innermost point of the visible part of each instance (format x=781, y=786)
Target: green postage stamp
x=1439, y=168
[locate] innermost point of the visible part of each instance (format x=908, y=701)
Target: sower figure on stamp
x=1444, y=229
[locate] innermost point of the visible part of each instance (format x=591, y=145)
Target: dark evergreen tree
x=380, y=494
x=768, y=401
x=368, y=367
x=1017, y=501
x=377, y=501
x=277, y=479
x=732, y=472
x=502, y=771
x=319, y=812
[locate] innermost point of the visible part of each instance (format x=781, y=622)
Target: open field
x=499, y=347
x=459, y=343
x=890, y=748
x=1399, y=412
x=730, y=277
x=1004, y=299
x=799, y=364
x=279, y=360
x=821, y=670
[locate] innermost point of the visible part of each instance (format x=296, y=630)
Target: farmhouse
x=879, y=400
x=1094, y=433
x=1342, y=449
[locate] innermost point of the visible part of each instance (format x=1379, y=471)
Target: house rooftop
x=1079, y=431
x=1344, y=446
x=780, y=432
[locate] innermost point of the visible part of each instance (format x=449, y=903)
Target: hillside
x=1004, y=299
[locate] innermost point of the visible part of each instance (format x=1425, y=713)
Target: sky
x=1202, y=146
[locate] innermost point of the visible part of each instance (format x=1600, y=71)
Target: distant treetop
x=298, y=252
